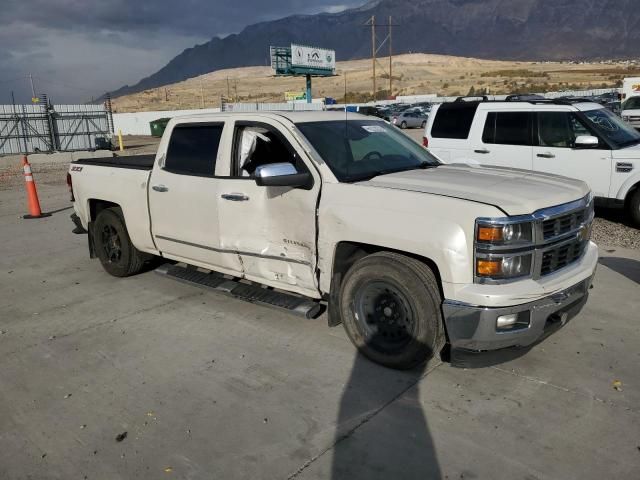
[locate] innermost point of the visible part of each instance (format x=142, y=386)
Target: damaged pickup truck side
x=294, y=209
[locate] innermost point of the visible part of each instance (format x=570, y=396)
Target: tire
x=424, y=125
x=633, y=208
x=113, y=246
x=403, y=125
x=401, y=297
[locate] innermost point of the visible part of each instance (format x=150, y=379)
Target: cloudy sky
x=77, y=49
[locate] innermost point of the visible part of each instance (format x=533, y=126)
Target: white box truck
x=631, y=101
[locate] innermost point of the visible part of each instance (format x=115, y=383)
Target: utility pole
x=373, y=53
x=228, y=88
x=33, y=90
x=202, y=92
x=390, y=59
x=235, y=86
x=166, y=95
x=345, y=87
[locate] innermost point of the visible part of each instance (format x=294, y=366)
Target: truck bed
x=135, y=162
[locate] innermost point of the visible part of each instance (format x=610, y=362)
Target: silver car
x=411, y=119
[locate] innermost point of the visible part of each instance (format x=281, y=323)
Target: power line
x=375, y=48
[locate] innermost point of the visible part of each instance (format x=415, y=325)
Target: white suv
x=573, y=138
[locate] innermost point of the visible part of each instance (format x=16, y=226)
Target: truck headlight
x=504, y=249
x=503, y=267
x=504, y=234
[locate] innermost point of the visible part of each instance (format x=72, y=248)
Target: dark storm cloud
x=76, y=49
x=190, y=17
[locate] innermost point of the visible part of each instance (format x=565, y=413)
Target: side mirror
x=586, y=141
x=282, y=175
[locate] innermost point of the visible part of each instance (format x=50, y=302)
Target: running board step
x=252, y=293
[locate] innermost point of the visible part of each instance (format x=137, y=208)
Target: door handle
x=482, y=150
x=235, y=197
x=546, y=155
x=160, y=188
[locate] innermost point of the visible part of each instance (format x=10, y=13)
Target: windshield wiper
x=389, y=171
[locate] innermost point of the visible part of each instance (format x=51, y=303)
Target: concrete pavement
x=208, y=387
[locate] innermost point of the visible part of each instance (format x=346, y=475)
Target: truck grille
x=561, y=256
x=563, y=224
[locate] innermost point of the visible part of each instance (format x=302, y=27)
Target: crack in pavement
x=362, y=422
x=564, y=389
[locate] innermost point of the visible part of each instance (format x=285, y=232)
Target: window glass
x=611, y=127
x=258, y=145
x=632, y=103
x=358, y=149
x=555, y=129
x=453, y=120
x=193, y=149
x=507, y=128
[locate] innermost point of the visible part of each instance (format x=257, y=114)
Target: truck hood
x=515, y=191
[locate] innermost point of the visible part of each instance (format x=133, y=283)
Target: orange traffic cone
x=32, y=193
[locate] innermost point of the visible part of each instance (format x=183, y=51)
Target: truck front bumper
x=474, y=328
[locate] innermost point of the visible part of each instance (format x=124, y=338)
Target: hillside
x=413, y=74
x=489, y=29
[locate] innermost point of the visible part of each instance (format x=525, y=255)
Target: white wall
x=138, y=123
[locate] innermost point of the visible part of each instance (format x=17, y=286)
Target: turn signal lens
x=490, y=234
x=489, y=268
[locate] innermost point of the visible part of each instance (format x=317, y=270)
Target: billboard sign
x=292, y=96
x=311, y=57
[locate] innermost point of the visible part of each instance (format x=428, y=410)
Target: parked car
x=572, y=138
x=408, y=253
x=631, y=111
x=410, y=119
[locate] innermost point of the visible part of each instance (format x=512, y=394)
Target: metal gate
x=48, y=128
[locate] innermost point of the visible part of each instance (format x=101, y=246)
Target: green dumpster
x=158, y=126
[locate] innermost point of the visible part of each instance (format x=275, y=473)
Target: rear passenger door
x=183, y=197
x=505, y=139
x=556, y=132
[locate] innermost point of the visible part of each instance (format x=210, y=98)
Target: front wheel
x=390, y=308
x=423, y=125
x=113, y=246
x=633, y=208
x=403, y=125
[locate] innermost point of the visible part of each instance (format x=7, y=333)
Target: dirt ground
x=412, y=74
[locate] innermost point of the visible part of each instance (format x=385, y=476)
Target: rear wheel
x=390, y=307
x=633, y=208
x=424, y=124
x=403, y=125
x=113, y=246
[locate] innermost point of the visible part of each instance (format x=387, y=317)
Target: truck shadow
x=382, y=432
x=624, y=266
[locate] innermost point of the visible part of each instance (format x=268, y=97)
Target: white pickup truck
x=299, y=209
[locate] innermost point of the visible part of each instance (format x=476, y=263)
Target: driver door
x=273, y=229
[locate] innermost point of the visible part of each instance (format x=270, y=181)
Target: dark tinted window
x=453, y=120
x=507, y=128
x=193, y=149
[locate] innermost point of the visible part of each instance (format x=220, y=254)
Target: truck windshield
x=611, y=127
x=358, y=150
x=632, y=103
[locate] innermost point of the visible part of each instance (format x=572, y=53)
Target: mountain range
x=491, y=29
